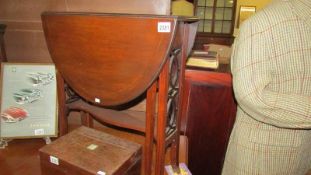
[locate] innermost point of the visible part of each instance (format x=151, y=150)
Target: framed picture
x=244, y=13
x=28, y=100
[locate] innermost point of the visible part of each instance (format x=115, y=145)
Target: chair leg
x=183, y=149
x=62, y=110
x=86, y=119
x=161, y=120
x=174, y=153
x=63, y=124
x=160, y=146
x=175, y=149
x=149, y=133
x=175, y=145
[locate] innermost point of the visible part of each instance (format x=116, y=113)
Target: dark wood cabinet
x=217, y=19
x=207, y=121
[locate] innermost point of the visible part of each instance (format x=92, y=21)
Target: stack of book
x=203, y=59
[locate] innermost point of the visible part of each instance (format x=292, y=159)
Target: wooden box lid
x=92, y=151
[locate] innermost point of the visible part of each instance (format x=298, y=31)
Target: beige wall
x=24, y=38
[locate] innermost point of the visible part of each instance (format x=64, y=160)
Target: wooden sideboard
x=208, y=115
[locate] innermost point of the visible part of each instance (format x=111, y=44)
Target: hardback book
x=204, y=53
x=203, y=59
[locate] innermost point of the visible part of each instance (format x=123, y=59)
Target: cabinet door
x=208, y=115
x=216, y=16
x=205, y=11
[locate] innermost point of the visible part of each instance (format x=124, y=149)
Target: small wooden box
x=86, y=151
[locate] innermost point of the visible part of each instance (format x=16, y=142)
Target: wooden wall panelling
x=24, y=37
x=2, y=47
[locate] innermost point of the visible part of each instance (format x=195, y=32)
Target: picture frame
x=244, y=13
x=28, y=101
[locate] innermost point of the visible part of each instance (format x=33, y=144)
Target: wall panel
x=24, y=38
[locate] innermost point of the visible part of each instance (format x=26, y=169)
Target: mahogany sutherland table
x=111, y=60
